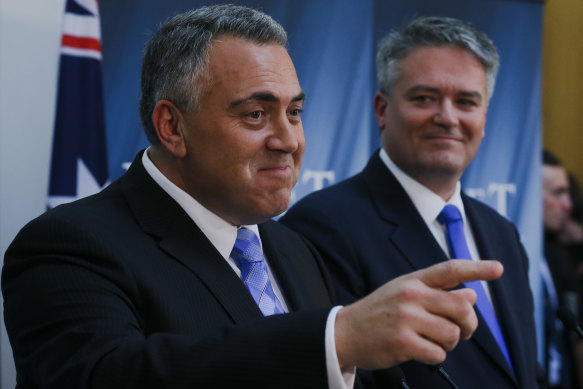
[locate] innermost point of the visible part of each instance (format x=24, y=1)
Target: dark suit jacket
x=122, y=290
x=369, y=232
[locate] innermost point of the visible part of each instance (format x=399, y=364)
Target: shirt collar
x=428, y=203
x=220, y=232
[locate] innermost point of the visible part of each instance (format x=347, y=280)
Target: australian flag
x=79, y=159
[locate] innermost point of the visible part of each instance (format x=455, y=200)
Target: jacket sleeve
x=76, y=318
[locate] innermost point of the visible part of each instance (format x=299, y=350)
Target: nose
x=446, y=114
x=286, y=136
x=567, y=203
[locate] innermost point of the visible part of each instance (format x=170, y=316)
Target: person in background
x=406, y=211
x=175, y=276
x=571, y=235
x=563, y=355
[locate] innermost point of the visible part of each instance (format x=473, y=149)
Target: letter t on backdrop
x=79, y=158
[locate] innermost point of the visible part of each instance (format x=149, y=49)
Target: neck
x=167, y=165
x=441, y=184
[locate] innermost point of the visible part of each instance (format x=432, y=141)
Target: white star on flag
x=86, y=186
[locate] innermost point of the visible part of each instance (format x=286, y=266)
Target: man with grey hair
x=405, y=211
x=175, y=277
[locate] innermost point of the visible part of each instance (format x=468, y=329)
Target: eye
x=296, y=112
x=255, y=114
x=467, y=103
x=422, y=98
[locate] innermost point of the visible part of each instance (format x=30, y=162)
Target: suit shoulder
x=333, y=196
x=75, y=219
x=282, y=235
x=485, y=218
x=484, y=210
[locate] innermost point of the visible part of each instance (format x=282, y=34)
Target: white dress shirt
x=429, y=205
x=222, y=234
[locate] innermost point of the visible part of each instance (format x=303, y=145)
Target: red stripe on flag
x=81, y=43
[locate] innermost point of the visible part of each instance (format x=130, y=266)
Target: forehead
x=238, y=67
x=444, y=68
x=554, y=176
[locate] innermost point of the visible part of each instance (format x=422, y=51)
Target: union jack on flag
x=79, y=159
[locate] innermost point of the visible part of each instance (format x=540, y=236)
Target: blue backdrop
x=332, y=43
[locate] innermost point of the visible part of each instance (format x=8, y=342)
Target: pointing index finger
x=448, y=274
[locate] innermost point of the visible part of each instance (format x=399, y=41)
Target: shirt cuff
x=336, y=379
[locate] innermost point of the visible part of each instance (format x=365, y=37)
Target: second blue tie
x=450, y=217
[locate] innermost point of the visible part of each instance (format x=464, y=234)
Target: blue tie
x=247, y=253
x=451, y=218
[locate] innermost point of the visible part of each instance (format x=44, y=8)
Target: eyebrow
x=265, y=96
x=423, y=88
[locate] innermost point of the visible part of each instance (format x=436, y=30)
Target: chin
x=445, y=163
x=281, y=208
x=273, y=208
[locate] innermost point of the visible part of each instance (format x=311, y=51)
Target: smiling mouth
x=284, y=171
x=443, y=138
x=443, y=135
x=276, y=168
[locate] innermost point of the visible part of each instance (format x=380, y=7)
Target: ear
x=485, y=119
x=380, y=105
x=168, y=121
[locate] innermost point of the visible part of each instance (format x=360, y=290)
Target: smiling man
x=405, y=211
x=252, y=115
x=175, y=277
x=434, y=116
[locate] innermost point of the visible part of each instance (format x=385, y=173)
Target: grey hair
x=429, y=32
x=175, y=58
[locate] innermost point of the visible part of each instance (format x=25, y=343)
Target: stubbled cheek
x=296, y=175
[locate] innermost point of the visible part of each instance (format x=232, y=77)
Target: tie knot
x=449, y=214
x=247, y=248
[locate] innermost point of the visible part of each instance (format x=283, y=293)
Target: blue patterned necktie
x=456, y=240
x=247, y=253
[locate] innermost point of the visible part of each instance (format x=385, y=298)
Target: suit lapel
x=409, y=234
x=406, y=229
x=187, y=244
x=160, y=216
x=296, y=271
x=279, y=262
x=483, y=336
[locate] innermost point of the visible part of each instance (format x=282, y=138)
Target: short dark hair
x=175, y=58
x=434, y=31
x=551, y=159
